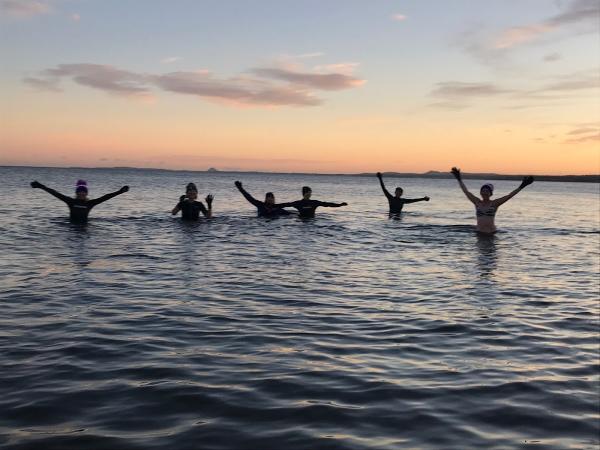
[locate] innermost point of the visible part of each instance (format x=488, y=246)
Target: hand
x=209, y=200
x=124, y=189
x=238, y=184
x=379, y=175
x=344, y=204
x=36, y=184
x=426, y=199
x=456, y=172
x=526, y=181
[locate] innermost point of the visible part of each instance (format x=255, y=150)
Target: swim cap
x=191, y=187
x=489, y=186
x=81, y=186
x=306, y=189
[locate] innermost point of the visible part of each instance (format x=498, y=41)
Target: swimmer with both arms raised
x=486, y=208
x=80, y=206
x=191, y=208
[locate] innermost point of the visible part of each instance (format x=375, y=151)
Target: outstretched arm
x=457, y=175
x=385, y=191
x=415, y=200
x=331, y=205
x=58, y=195
x=246, y=195
x=526, y=182
x=108, y=196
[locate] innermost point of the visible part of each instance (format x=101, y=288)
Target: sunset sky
x=336, y=86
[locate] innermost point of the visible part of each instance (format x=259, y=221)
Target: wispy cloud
x=399, y=17
x=170, y=59
x=459, y=95
x=264, y=86
x=24, y=8
x=582, y=135
x=577, y=16
x=551, y=57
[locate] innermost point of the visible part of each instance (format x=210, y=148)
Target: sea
x=353, y=330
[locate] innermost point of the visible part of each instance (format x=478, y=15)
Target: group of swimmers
x=190, y=207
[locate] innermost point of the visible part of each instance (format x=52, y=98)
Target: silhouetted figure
x=191, y=208
x=268, y=208
x=396, y=201
x=484, y=207
x=306, y=207
x=80, y=206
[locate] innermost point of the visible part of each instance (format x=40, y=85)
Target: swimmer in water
x=189, y=207
x=268, y=208
x=306, y=207
x=396, y=201
x=80, y=206
x=484, y=207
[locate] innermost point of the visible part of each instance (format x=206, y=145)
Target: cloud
x=399, y=17
x=264, y=86
x=583, y=131
x=583, y=139
x=324, y=81
x=578, y=16
x=457, y=89
x=551, y=57
x=24, y=8
x=585, y=134
x=170, y=59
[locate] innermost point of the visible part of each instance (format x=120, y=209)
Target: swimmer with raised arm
x=268, y=208
x=306, y=207
x=80, y=206
x=191, y=208
x=396, y=201
x=485, y=207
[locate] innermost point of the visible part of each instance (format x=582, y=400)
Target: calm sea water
x=350, y=331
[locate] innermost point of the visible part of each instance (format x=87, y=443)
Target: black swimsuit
x=306, y=208
x=262, y=208
x=191, y=209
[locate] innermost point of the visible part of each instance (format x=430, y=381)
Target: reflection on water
x=347, y=331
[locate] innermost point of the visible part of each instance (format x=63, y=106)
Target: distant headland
x=429, y=174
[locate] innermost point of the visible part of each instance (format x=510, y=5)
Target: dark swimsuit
x=306, y=208
x=191, y=209
x=262, y=208
x=79, y=209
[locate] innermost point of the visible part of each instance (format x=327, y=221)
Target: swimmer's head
x=269, y=198
x=81, y=190
x=399, y=192
x=487, y=190
x=191, y=191
x=306, y=192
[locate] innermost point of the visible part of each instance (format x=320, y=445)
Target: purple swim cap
x=81, y=186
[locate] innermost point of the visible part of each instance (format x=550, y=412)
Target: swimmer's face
x=306, y=194
x=485, y=193
x=270, y=199
x=399, y=192
x=81, y=195
x=192, y=195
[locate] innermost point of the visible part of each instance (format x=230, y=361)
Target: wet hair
x=81, y=186
x=269, y=194
x=488, y=186
x=191, y=187
x=400, y=188
x=306, y=189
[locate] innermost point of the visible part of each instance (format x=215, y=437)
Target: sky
x=336, y=86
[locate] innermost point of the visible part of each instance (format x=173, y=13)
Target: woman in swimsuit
x=484, y=207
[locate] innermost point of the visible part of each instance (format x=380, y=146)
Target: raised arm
x=457, y=175
x=415, y=200
x=526, y=182
x=178, y=205
x=208, y=213
x=385, y=191
x=58, y=195
x=246, y=195
x=106, y=197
